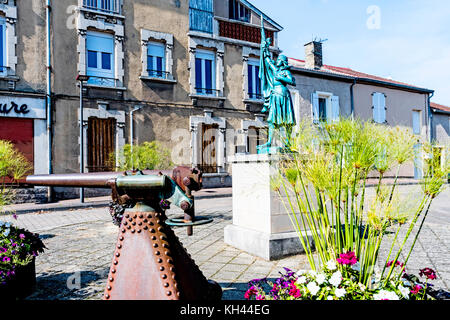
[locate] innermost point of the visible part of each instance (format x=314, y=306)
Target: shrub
x=146, y=156
x=13, y=166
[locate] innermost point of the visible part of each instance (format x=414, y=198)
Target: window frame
x=152, y=70
x=379, y=112
x=235, y=13
x=103, y=76
x=204, y=55
x=253, y=65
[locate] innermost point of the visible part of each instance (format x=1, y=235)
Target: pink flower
x=294, y=291
x=22, y=236
x=416, y=289
x=260, y=297
x=250, y=293
x=348, y=258
x=397, y=264
x=429, y=273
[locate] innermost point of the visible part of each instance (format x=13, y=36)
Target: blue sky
x=406, y=40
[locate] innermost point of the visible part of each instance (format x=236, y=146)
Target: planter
x=22, y=285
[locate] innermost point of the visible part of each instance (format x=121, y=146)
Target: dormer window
x=238, y=11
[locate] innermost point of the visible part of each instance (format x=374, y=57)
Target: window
x=379, y=107
x=100, y=59
x=156, y=60
x=254, y=82
x=238, y=11
x=205, y=76
x=2, y=46
x=110, y=6
x=416, y=122
x=201, y=14
x=325, y=107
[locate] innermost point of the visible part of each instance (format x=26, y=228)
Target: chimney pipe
x=313, y=55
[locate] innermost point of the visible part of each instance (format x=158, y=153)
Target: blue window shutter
x=2, y=52
x=250, y=81
x=201, y=14
x=335, y=109
x=208, y=74
x=258, y=80
x=315, y=107
x=198, y=74
x=150, y=63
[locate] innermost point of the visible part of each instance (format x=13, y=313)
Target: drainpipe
x=352, y=102
x=430, y=117
x=132, y=134
x=48, y=98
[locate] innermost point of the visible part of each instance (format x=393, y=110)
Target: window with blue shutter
x=111, y=6
x=379, y=107
x=254, y=82
x=156, y=60
x=237, y=11
x=205, y=77
x=100, y=59
x=201, y=15
x=2, y=46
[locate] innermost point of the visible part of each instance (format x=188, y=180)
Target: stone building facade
x=183, y=71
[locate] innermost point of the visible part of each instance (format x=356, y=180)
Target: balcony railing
x=208, y=92
x=160, y=74
x=107, y=6
x=103, y=81
x=240, y=31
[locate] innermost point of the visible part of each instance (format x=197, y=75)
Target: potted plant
x=18, y=251
x=323, y=183
x=18, y=247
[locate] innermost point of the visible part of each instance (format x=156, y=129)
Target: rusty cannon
x=149, y=261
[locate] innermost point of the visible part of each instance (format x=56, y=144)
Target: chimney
x=313, y=55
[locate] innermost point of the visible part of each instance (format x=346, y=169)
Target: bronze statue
x=275, y=76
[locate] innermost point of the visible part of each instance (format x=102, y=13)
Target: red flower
x=397, y=264
x=429, y=273
x=348, y=258
x=416, y=289
x=250, y=293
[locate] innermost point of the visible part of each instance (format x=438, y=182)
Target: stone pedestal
x=261, y=224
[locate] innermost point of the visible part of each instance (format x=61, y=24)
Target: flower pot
x=22, y=284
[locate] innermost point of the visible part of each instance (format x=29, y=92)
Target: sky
x=405, y=40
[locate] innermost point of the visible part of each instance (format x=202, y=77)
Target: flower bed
x=322, y=183
x=18, y=251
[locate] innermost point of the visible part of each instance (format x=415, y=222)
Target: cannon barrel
x=83, y=180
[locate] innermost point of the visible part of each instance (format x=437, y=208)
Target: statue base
x=261, y=225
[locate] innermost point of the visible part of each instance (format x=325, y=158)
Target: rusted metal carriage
x=149, y=261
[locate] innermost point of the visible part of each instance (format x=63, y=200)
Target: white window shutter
x=335, y=109
x=375, y=107
x=315, y=107
x=382, y=108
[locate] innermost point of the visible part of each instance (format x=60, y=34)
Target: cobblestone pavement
x=81, y=243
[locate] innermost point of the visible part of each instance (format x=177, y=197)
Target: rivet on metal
x=111, y=279
x=161, y=269
x=117, y=254
x=157, y=253
x=164, y=276
x=169, y=293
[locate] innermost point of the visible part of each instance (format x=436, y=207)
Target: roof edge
x=251, y=6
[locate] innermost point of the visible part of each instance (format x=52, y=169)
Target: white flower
x=406, y=283
x=331, y=265
x=313, y=288
x=336, y=278
x=385, y=295
x=300, y=272
x=321, y=277
x=404, y=291
x=362, y=287
x=340, y=293
x=301, y=280
x=312, y=273
x=330, y=298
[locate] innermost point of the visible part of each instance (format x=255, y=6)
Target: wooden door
x=209, y=148
x=101, y=141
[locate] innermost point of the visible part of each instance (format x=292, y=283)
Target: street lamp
x=81, y=78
